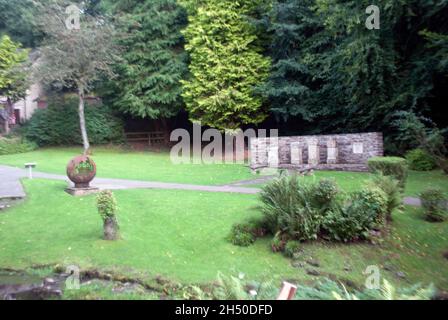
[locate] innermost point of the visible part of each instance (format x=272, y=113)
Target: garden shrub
x=325, y=192
x=434, y=204
x=364, y=212
x=289, y=207
x=278, y=243
x=15, y=145
x=390, y=166
x=58, y=124
x=241, y=235
x=327, y=289
x=420, y=160
x=107, y=208
x=292, y=248
x=390, y=187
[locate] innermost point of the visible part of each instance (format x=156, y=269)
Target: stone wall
x=348, y=152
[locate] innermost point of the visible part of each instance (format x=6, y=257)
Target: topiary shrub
x=107, y=208
x=15, y=145
x=391, y=189
x=390, y=166
x=292, y=248
x=58, y=124
x=434, y=204
x=420, y=160
x=364, y=212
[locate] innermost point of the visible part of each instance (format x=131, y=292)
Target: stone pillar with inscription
x=273, y=159
x=332, y=151
x=313, y=151
x=296, y=154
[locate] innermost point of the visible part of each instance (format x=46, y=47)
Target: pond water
x=23, y=286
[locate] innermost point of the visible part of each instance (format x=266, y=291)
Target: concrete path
x=11, y=187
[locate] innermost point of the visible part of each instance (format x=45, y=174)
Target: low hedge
x=15, y=145
x=395, y=167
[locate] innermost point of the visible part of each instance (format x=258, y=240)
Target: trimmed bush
x=420, y=160
x=363, y=213
x=391, y=189
x=107, y=208
x=15, y=145
x=434, y=204
x=59, y=125
x=390, y=166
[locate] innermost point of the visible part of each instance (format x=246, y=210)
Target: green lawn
x=351, y=181
x=121, y=164
x=181, y=236
x=151, y=166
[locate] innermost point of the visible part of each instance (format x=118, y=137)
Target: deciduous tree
x=75, y=58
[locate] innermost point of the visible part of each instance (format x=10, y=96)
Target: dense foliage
x=154, y=61
x=390, y=166
x=435, y=205
x=75, y=56
x=240, y=288
x=391, y=188
x=297, y=210
x=15, y=145
x=226, y=65
x=13, y=82
x=331, y=73
x=420, y=160
x=58, y=124
x=312, y=64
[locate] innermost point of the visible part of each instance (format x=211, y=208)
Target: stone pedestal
x=80, y=192
x=332, y=151
x=296, y=154
x=313, y=152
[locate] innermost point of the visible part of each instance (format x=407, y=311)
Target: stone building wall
x=348, y=152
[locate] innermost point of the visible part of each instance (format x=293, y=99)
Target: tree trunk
x=9, y=111
x=111, y=229
x=165, y=130
x=82, y=121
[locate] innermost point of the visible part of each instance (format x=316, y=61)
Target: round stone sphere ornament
x=81, y=170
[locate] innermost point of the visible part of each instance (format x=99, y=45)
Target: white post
x=30, y=172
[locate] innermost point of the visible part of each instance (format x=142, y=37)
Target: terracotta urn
x=81, y=170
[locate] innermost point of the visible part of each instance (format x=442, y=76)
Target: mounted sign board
x=358, y=148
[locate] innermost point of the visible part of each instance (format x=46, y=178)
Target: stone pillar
x=296, y=154
x=332, y=151
x=313, y=151
x=273, y=159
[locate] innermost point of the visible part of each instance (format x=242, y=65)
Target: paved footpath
x=11, y=187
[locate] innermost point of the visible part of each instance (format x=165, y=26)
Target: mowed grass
x=352, y=181
x=181, y=235
x=114, y=162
